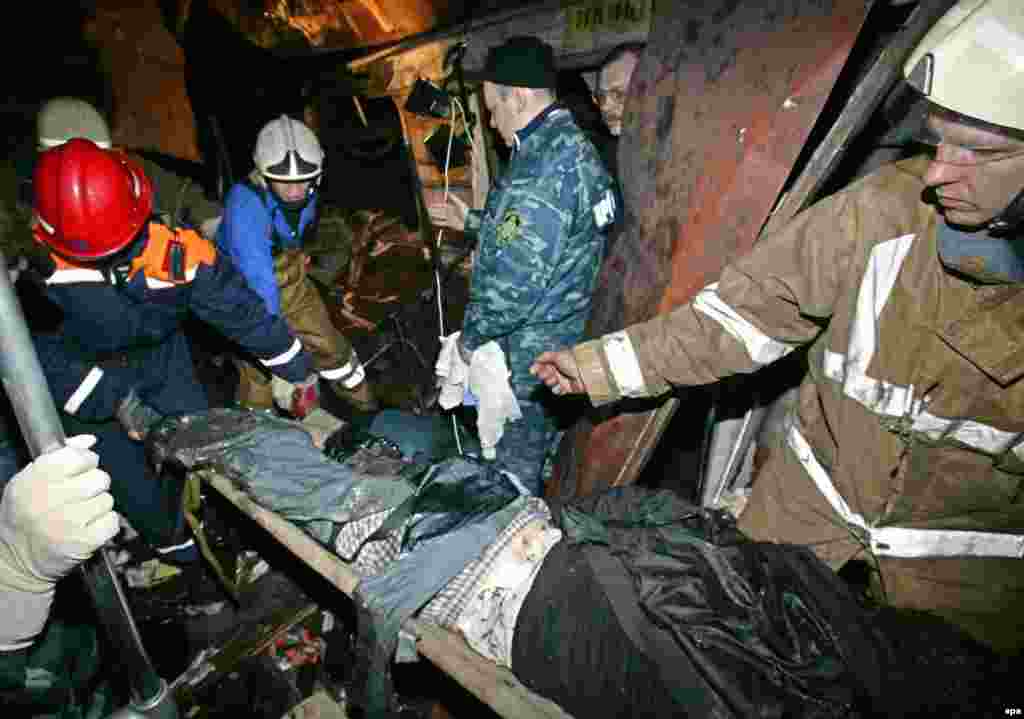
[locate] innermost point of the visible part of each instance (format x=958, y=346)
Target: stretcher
x=494, y=685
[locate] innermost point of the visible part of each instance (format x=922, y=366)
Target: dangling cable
x=437, y=272
x=435, y=249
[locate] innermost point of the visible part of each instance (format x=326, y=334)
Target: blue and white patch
x=604, y=211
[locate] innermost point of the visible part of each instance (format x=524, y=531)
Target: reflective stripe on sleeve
x=351, y=374
x=84, y=390
x=918, y=543
x=157, y=284
x=623, y=363
x=68, y=277
x=761, y=348
x=902, y=542
x=284, y=357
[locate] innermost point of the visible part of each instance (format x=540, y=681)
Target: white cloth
x=54, y=514
x=497, y=404
x=486, y=379
x=489, y=620
x=452, y=372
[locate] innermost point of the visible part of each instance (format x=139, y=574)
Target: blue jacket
x=253, y=229
x=541, y=240
x=91, y=392
x=137, y=314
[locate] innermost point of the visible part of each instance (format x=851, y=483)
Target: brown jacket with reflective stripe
x=914, y=403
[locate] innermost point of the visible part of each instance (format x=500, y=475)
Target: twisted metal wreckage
x=718, y=149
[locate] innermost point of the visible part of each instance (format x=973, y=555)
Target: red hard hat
x=90, y=202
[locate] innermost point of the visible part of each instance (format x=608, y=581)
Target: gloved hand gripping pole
x=29, y=394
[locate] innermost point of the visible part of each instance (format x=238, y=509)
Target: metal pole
x=26, y=387
x=23, y=377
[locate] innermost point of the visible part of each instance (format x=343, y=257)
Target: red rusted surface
x=145, y=68
x=719, y=109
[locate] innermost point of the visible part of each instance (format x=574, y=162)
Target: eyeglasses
x=961, y=143
x=950, y=154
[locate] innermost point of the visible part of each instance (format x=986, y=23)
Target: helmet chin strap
x=298, y=204
x=294, y=204
x=1010, y=220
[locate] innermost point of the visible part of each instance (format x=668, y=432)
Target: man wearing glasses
x=613, y=84
x=904, y=449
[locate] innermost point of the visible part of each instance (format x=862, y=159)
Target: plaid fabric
x=373, y=556
x=450, y=602
x=492, y=612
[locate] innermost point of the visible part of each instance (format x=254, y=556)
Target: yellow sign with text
x=590, y=19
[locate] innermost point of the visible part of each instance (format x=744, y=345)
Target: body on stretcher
x=439, y=547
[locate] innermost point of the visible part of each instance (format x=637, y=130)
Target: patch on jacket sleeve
x=509, y=227
x=604, y=211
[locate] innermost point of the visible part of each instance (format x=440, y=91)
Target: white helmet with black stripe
x=288, y=151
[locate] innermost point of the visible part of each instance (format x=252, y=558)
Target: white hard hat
x=288, y=151
x=972, y=62
x=64, y=118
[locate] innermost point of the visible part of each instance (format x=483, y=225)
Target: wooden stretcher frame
x=494, y=685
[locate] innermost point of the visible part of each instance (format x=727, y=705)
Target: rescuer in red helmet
x=125, y=283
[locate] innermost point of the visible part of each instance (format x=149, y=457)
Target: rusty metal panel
x=145, y=68
x=719, y=109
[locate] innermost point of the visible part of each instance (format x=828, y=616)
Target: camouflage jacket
x=541, y=238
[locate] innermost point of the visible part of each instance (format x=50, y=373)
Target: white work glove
x=54, y=514
x=488, y=380
x=452, y=372
x=298, y=399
